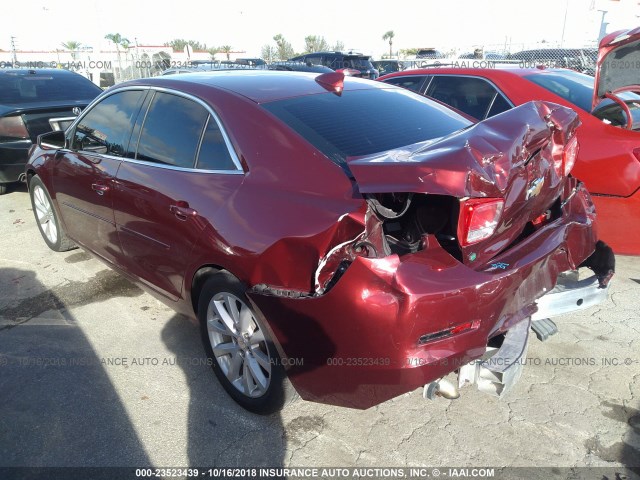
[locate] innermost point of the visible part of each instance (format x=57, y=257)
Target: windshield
x=363, y=122
x=18, y=88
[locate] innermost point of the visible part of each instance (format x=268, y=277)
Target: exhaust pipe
x=441, y=388
x=22, y=177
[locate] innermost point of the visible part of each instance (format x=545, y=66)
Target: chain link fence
x=109, y=68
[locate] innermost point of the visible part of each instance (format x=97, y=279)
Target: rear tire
x=47, y=218
x=242, y=353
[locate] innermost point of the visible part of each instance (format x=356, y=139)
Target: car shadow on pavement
x=57, y=404
x=220, y=432
x=627, y=451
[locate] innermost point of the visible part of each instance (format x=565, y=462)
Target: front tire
x=47, y=218
x=242, y=353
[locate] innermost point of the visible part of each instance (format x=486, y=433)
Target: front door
x=84, y=175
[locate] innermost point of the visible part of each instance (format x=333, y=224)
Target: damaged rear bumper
x=570, y=295
x=362, y=342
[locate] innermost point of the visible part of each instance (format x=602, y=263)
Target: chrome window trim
x=212, y=114
x=493, y=100
x=180, y=169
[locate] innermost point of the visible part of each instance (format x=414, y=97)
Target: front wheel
x=47, y=218
x=244, y=357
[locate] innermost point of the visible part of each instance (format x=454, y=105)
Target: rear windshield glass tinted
x=574, y=87
x=363, y=122
x=22, y=88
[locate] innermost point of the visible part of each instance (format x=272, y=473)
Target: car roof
x=260, y=86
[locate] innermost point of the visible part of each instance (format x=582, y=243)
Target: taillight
x=569, y=155
x=636, y=152
x=13, y=127
x=478, y=219
x=460, y=328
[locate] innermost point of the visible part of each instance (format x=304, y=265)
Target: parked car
x=34, y=102
x=360, y=239
x=429, y=53
x=213, y=66
x=354, y=64
x=609, y=157
x=298, y=67
x=389, y=66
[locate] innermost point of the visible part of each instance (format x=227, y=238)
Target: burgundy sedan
x=608, y=107
x=352, y=236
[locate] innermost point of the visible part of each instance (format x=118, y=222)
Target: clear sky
x=247, y=25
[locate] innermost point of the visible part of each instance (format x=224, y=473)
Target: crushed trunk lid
x=509, y=156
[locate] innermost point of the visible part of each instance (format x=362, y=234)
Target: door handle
x=182, y=210
x=99, y=188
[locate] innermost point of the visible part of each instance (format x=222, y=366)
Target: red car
x=358, y=238
x=609, y=157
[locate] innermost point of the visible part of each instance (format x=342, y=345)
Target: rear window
x=359, y=63
x=363, y=122
x=18, y=88
x=574, y=87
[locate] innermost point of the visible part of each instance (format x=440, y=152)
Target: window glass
x=362, y=122
x=106, y=127
x=313, y=60
x=21, y=87
x=499, y=105
x=574, y=87
x=214, y=154
x=171, y=131
x=412, y=82
x=469, y=95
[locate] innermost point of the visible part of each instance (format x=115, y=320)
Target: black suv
x=339, y=60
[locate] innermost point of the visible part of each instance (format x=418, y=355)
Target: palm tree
x=118, y=40
x=212, y=51
x=389, y=36
x=73, y=47
x=226, y=49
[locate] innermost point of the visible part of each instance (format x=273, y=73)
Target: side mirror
x=52, y=140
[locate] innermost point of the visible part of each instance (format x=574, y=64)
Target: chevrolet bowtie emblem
x=535, y=187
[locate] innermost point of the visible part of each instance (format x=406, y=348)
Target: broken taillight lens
x=569, y=155
x=13, y=127
x=478, y=219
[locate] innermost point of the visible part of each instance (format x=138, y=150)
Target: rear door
x=179, y=170
x=84, y=175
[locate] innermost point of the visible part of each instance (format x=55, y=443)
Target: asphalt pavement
x=95, y=372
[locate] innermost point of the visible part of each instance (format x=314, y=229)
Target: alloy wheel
x=238, y=344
